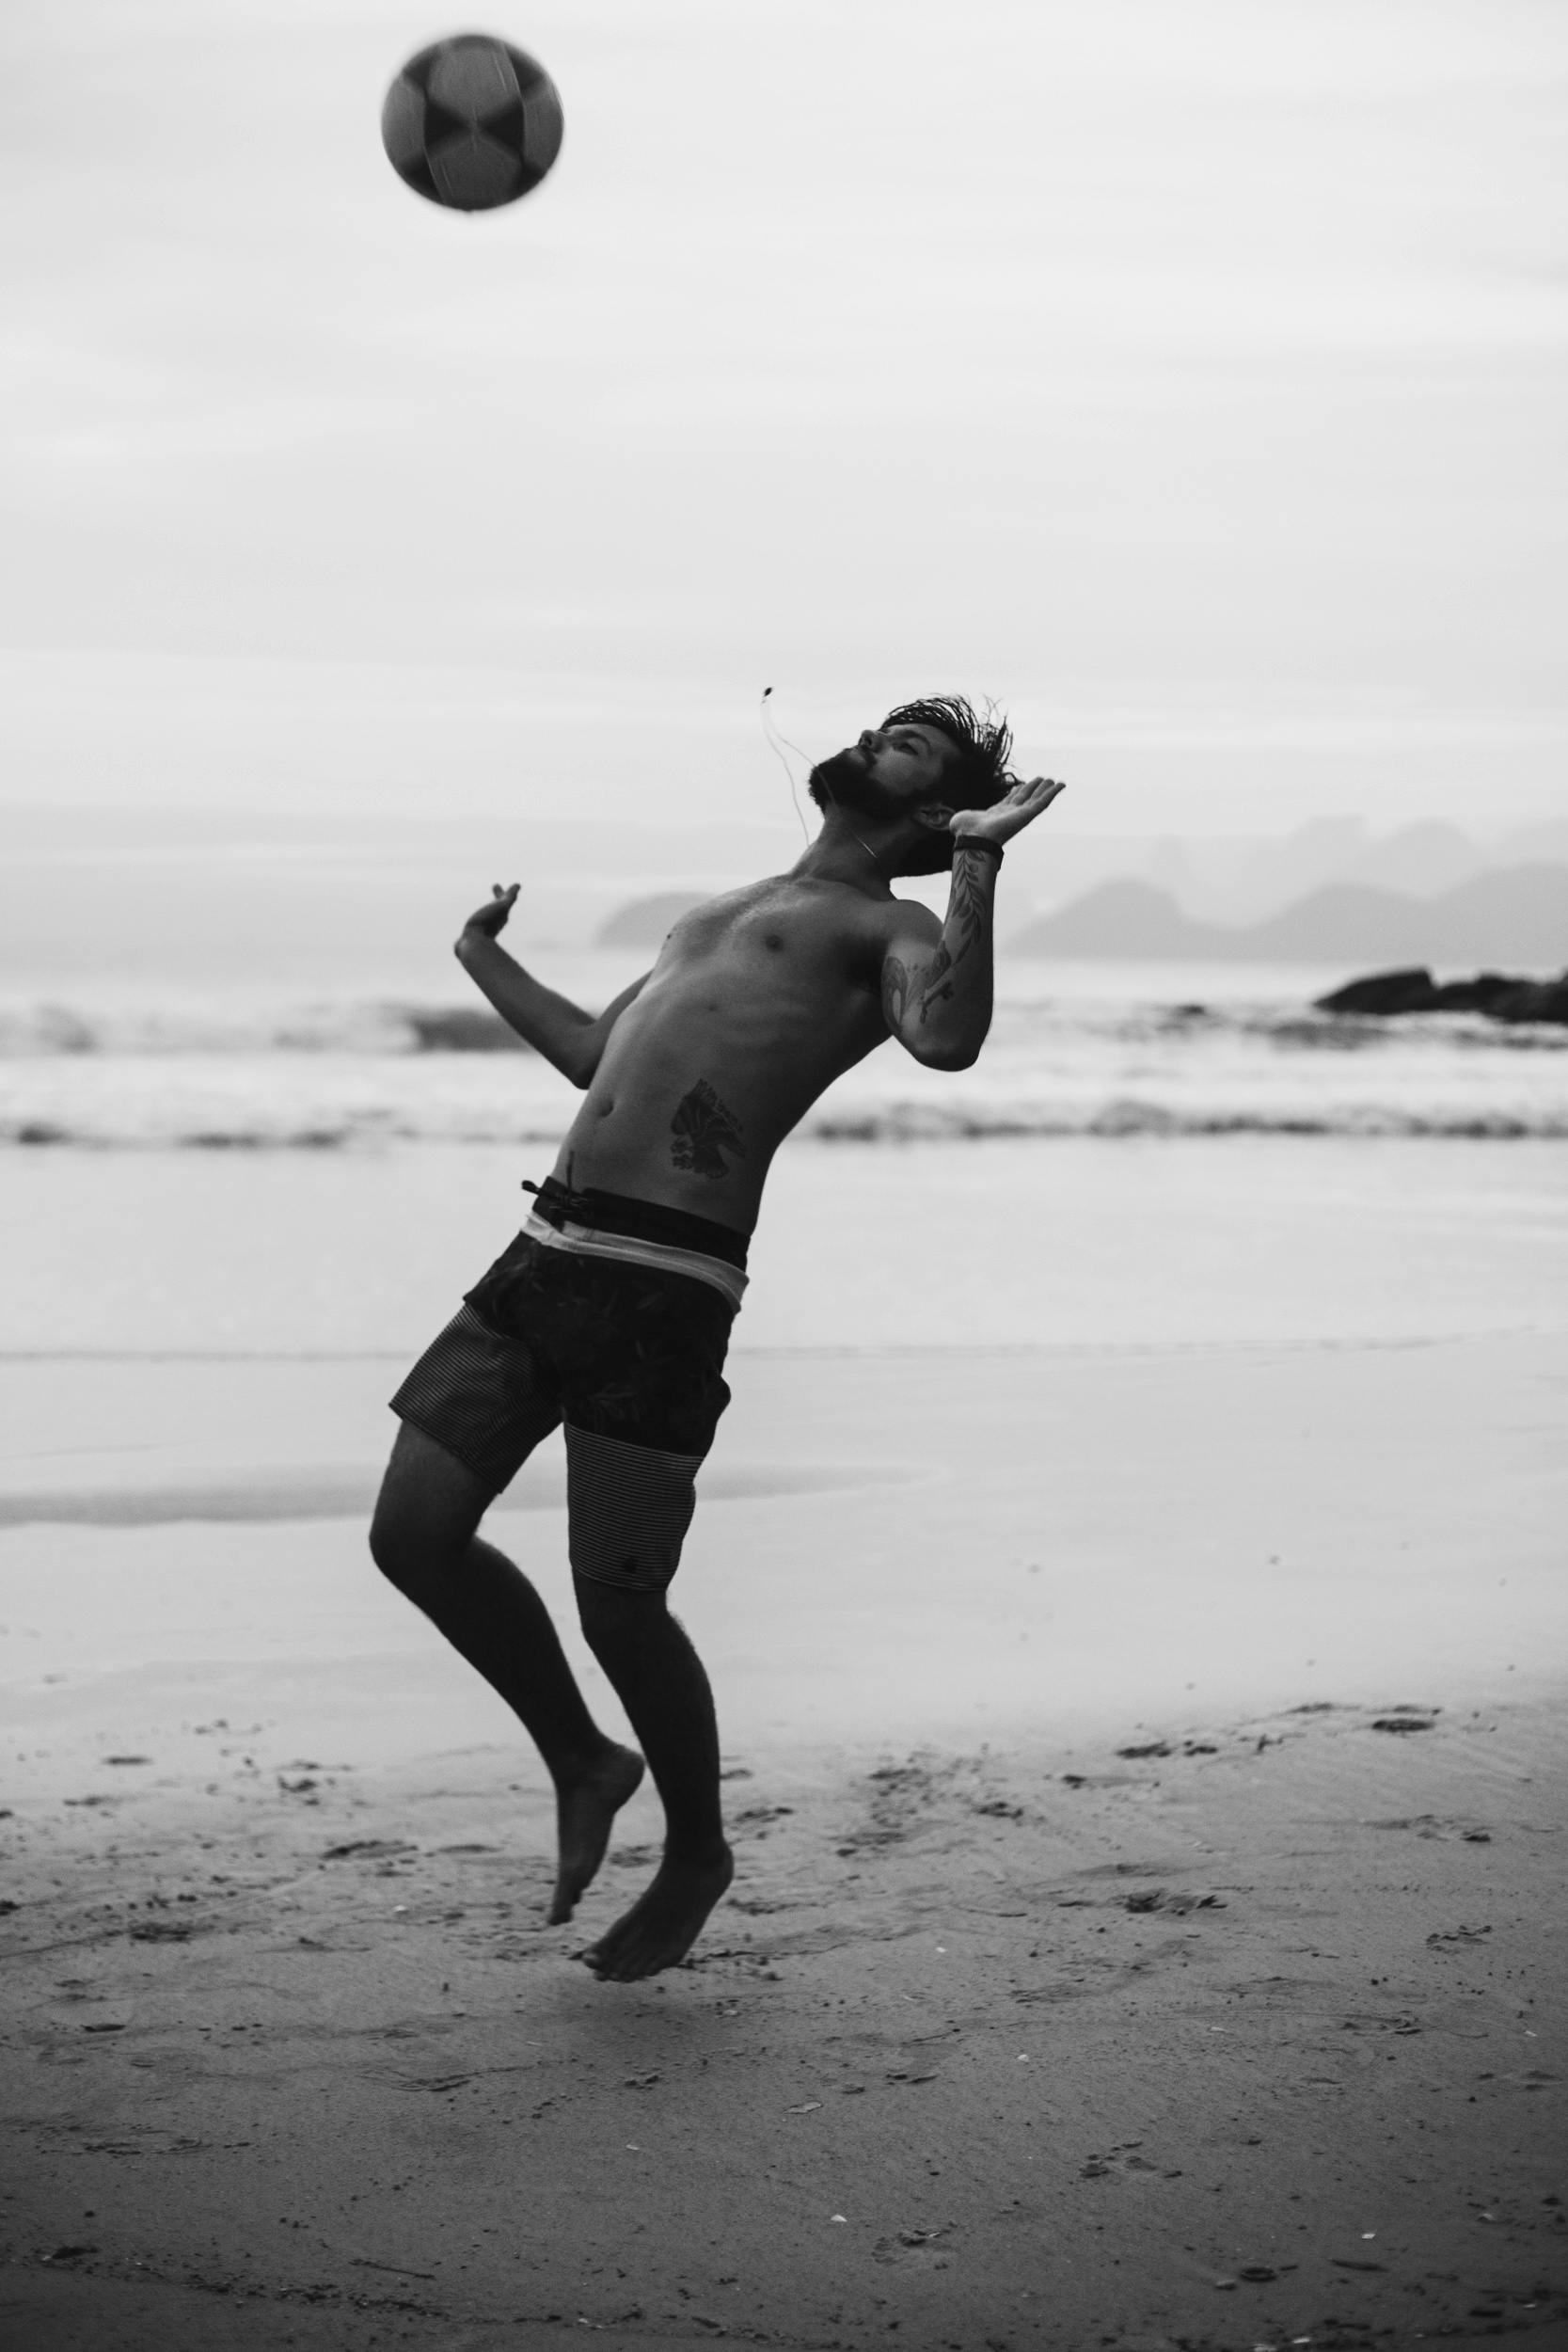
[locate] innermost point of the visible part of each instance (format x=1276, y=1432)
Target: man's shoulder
x=905, y=919
x=879, y=924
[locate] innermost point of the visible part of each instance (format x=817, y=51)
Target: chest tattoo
x=702, y=1131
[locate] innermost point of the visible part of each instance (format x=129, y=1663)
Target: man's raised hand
x=490, y=919
x=1016, y=809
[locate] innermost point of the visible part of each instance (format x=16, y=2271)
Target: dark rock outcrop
x=1531, y=1000
x=1412, y=989
x=461, y=1030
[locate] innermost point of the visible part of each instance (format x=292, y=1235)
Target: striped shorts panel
x=482, y=1397
x=629, y=1507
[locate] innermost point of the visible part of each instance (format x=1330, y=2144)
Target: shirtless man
x=612, y=1310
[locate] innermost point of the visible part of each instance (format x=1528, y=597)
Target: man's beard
x=843, y=782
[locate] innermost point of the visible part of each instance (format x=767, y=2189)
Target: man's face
x=886, y=771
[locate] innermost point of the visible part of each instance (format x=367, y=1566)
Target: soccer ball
x=472, y=122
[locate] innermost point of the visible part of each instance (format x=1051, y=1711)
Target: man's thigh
x=640, y=1407
x=429, y=1502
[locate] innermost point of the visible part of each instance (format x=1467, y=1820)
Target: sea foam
x=325, y=1075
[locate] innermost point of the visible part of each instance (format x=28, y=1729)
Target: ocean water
x=1089, y=1050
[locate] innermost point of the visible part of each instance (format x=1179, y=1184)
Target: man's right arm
x=568, y=1036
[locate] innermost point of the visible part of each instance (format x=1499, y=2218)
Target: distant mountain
x=1232, y=880
x=1278, y=871
x=1544, y=843
x=1122, y=920
x=646, y=922
x=1514, y=915
x=1423, y=860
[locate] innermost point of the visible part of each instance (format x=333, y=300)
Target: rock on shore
x=1412, y=989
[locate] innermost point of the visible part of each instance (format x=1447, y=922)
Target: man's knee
x=614, y=1616
x=425, y=1515
x=395, y=1547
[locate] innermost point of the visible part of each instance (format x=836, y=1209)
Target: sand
x=1148, y=1787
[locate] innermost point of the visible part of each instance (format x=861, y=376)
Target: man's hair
x=980, y=777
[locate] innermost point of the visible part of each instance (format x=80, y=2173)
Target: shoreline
x=890, y=1544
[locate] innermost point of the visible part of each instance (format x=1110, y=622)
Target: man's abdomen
x=698, y=1088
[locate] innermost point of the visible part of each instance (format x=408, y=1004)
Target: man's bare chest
x=781, y=938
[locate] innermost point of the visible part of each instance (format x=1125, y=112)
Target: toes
x=623, y=1964
x=609, y=1962
x=569, y=1888
x=618, y=1972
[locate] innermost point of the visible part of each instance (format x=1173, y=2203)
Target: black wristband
x=979, y=841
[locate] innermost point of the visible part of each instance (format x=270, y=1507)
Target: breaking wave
x=210, y=1075
x=162, y=1127
x=45, y=1030
x=915, y=1123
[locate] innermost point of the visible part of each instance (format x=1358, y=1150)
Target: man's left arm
x=936, y=998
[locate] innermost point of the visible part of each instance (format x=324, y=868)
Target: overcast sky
x=1187, y=374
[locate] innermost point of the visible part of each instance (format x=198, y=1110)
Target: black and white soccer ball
x=472, y=122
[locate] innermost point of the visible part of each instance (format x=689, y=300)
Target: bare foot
x=665, y=1920
x=584, y=1810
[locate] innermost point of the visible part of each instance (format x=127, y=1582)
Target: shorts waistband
x=604, y=1213
x=582, y=1241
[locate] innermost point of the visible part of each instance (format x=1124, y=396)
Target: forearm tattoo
x=969, y=916
x=702, y=1131
x=938, y=982
x=969, y=907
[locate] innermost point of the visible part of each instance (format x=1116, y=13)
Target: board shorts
x=606, y=1327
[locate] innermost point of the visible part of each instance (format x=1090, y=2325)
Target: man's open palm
x=1018, y=808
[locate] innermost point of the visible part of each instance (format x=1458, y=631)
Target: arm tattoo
x=936, y=983
x=702, y=1131
x=968, y=905
x=896, y=990
x=969, y=915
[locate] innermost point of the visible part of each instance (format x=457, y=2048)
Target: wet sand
x=1148, y=1788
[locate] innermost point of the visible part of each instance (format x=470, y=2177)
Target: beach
x=1132, y=1568
x=1130, y=1574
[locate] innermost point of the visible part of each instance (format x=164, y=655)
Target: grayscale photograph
x=783, y=1176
